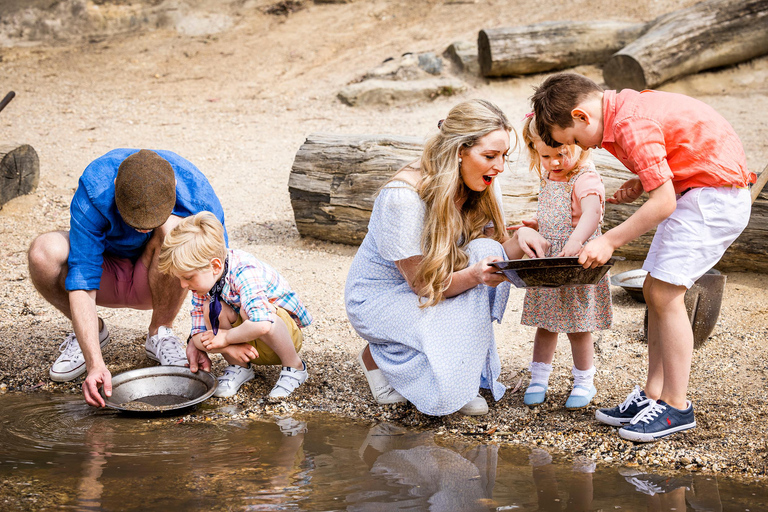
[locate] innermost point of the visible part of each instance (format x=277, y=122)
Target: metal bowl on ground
x=159, y=389
x=632, y=282
x=551, y=272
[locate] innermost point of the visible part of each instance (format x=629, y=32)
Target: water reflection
x=427, y=473
x=56, y=452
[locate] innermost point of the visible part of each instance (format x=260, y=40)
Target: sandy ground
x=239, y=104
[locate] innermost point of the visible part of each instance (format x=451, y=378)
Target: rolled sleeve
x=644, y=144
x=197, y=315
x=87, y=243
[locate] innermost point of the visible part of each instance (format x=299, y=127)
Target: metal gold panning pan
x=159, y=389
x=551, y=272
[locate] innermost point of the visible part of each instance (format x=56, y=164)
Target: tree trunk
x=19, y=170
x=551, y=45
x=706, y=35
x=336, y=178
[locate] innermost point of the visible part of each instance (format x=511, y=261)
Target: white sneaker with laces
x=289, y=380
x=165, y=348
x=71, y=363
x=233, y=377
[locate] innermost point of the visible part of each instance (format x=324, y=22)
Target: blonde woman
x=420, y=290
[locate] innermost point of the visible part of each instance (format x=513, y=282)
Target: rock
x=390, y=92
x=430, y=63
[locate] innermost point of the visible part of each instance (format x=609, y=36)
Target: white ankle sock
x=539, y=376
x=584, y=378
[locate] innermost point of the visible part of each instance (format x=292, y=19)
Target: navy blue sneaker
x=622, y=414
x=657, y=420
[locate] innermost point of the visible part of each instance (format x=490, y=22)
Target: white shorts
x=693, y=239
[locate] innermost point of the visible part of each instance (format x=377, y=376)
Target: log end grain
x=624, y=72
x=19, y=171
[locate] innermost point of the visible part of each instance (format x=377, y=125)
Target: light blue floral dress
x=436, y=357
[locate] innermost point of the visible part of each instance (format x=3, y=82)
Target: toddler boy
x=241, y=307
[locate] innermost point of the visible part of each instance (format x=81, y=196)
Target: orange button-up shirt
x=663, y=136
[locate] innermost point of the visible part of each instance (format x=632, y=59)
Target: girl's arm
x=590, y=219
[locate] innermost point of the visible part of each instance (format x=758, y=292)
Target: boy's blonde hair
x=531, y=137
x=192, y=244
x=441, y=183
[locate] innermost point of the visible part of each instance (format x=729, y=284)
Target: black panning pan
x=551, y=272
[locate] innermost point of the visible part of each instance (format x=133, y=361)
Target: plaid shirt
x=253, y=285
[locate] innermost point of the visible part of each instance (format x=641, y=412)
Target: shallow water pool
x=58, y=453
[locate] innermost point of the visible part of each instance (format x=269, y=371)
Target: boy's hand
x=240, y=353
x=596, y=252
x=527, y=223
x=217, y=342
x=627, y=193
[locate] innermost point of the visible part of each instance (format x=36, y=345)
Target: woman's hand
x=526, y=241
x=486, y=274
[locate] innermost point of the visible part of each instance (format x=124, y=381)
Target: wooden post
x=551, y=45
x=706, y=35
x=19, y=170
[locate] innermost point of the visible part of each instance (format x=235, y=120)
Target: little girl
x=570, y=211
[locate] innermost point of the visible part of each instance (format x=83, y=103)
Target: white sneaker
x=71, y=363
x=289, y=380
x=165, y=348
x=475, y=407
x=382, y=391
x=233, y=377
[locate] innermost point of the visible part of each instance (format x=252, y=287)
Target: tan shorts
x=266, y=354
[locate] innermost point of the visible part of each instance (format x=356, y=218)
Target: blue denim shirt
x=96, y=227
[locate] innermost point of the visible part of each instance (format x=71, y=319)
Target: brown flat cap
x=145, y=190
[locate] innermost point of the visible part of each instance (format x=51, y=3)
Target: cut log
x=706, y=35
x=19, y=170
x=551, y=46
x=336, y=178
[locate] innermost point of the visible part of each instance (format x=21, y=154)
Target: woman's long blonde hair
x=447, y=230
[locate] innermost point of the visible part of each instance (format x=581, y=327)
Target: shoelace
x=634, y=397
x=70, y=347
x=167, y=345
x=649, y=413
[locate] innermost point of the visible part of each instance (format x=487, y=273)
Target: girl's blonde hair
x=447, y=230
x=192, y=244
x=531, y=137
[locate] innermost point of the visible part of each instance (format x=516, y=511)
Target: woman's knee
x=480, y=248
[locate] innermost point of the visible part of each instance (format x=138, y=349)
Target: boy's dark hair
x=554, y=100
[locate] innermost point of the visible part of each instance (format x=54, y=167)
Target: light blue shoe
x=579, y=402
x=535, y=395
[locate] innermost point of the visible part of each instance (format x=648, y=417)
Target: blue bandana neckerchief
x=215, y=295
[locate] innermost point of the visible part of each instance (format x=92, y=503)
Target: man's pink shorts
x=124, y=284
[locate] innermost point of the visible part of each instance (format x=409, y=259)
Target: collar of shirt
x=609, y=116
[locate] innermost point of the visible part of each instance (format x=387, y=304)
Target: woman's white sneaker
x=71, y=363
x=233, y=377
x=475, y=407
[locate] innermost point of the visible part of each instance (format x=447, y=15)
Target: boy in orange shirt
x=692, y=164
